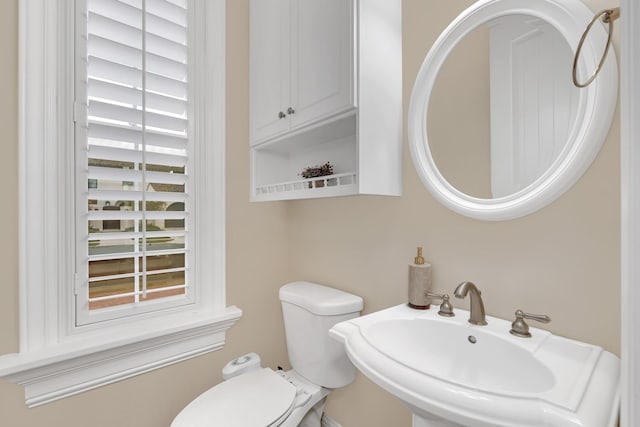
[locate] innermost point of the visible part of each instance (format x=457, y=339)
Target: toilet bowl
x=261, y=397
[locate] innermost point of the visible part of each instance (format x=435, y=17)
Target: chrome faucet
x=476, y=314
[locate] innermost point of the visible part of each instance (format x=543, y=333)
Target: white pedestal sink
x=451, y=373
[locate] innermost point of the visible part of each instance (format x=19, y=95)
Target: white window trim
x=57, y=359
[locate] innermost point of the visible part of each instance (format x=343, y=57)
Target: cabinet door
x=322, y=52
x=269, y=68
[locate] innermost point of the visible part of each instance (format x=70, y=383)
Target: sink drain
x=472, y=339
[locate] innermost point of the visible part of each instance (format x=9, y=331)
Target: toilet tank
x=309, y=310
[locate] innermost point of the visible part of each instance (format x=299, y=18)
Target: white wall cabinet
x=326, y=86
x=301, y=63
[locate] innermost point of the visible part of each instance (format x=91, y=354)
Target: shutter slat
x=134, y=135
x=107, y=27
x=179, y=3
x=116, y=174
x=132, y=76
x=139, y=274
x=130, y=13
x=112, y=28
x=128, y=95
x=98, y=109
x=102, y=110
x=100, y=47
x=161, y=8
x=116, y=10
x=132, y=294
x=125, y=255
x=167, y=29
x=133, y=156
x=151, y=196
x=166, y=178
x=113, y=51
x=133, y=235
x=134, y=215
x=168, y=11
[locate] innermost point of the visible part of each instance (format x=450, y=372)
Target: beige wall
x=562, y=260
x=256, y=267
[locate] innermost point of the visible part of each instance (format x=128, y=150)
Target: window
x=122, y=232
x=133, y=138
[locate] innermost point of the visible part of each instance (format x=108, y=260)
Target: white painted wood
x=360, y=134
x=380, y=118
x=301, y=63
x=278, y=163
x=630, y=193
x=104, y=357
x=533, y=101
x=66, y=109
x=57, y=358
x=268, y=68
x=210, y=249
x=322, y=61
x=593, y=120
x=40, y=196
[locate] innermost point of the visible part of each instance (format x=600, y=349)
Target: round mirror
x=497, y=129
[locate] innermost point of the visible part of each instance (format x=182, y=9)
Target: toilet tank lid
x=319, y=299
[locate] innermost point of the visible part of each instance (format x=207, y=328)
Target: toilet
x=253, y=396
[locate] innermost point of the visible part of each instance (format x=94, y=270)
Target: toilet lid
x=255, y=399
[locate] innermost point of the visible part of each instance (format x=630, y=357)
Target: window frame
x=56, y=358
x=196, y=139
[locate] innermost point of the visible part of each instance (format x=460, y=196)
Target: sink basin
x=471, y=358
x=452, y=373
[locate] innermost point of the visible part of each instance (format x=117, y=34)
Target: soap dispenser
x=419, y=282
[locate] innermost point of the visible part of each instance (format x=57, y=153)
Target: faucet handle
x=520, y=328
x=446, y=309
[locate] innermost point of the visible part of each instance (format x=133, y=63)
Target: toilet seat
x=259, y=398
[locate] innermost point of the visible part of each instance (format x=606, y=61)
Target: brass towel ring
x=608, y=16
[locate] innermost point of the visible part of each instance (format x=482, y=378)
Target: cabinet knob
x=281, y=115
x=290, y=110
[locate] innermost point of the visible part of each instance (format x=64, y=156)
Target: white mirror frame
x=597, y=104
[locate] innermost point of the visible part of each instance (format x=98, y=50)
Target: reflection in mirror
x=508, y=84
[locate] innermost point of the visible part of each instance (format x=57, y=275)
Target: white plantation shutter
x=97, y=170
x=134, y=158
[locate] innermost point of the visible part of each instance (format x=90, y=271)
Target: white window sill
x=101, y=357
